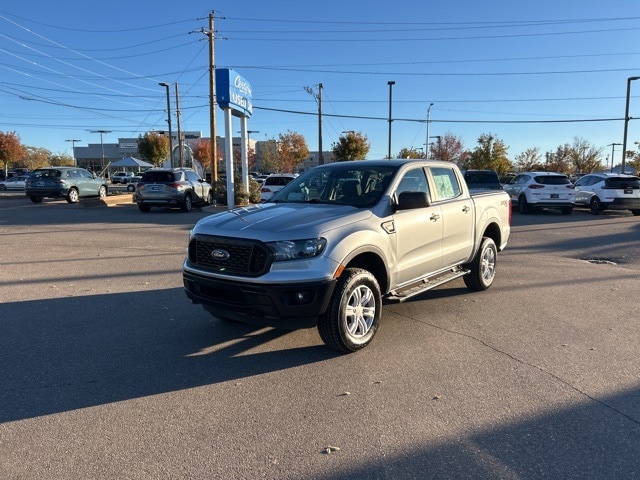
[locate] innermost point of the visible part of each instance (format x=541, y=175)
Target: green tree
x=153, y=147
x=292, y=150
x=61, y=159
x=36, y=157
x=561, y=160
x=11, y=150
x=490, y=154
x=528, y=160
x=448, y=148
x=410, y=153
x=352, y=146
x=584, y=156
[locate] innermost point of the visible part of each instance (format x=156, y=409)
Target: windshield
x=359, y=186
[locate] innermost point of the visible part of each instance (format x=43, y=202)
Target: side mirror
x=412, y=200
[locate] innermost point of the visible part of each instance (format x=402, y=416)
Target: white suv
x=602, y=191
x=274, y=183
x=535, y=190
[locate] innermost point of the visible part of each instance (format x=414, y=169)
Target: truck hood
x=272, y=221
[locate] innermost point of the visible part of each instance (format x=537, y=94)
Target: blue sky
x=535, y=74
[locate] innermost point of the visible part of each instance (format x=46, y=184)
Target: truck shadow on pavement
x=63, y=354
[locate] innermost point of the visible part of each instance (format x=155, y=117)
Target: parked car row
x=71, y=183
x=599, y=191
x=183, y=188
x=172, y=187
x=13, y=183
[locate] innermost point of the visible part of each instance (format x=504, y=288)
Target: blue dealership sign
x=234, y=92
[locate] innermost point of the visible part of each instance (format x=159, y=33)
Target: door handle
x=434, y=217
x=466, y=209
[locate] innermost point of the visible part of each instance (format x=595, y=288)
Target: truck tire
x=483, y=266
x=353, y=315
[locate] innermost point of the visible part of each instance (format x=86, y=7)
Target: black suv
x=172, y=187
x=478, y=180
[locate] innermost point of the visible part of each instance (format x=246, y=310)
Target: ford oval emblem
x=219, y=254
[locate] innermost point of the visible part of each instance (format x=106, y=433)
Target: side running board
x=413, y=289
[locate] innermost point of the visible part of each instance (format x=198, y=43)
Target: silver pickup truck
x=338, y=239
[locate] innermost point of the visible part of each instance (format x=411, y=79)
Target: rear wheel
x=596, y=206
x=353, y=315
x=636, y=212
x=2, y=187
x=209, y=200
x=566, y=210
x=483, y=266
x=36, y=199
x=102, y=191
x=131, y=187
x=187, y=205
x=144, y=208
x=523, y=205
x=73, y=196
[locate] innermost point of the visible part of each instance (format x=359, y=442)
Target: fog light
x=302, y=297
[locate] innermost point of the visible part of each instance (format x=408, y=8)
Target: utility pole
x=166, y=85
x=212, y=100
x=179, y=130
x=613, y=149
x=320, y=157
x=318, y=97
x=391, y=83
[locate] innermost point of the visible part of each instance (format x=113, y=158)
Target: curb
x=108, y=201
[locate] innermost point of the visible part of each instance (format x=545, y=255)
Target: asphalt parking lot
x=108, y=371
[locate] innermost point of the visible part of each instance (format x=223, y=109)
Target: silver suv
x=602, y=191
x=172, y=187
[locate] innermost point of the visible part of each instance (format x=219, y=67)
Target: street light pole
x=73, y=149
x=101, y=132
x=613, y=148
x=391, y=83
x=428, y=122
x=166, y=85
x=439, y=137
x=626, y=122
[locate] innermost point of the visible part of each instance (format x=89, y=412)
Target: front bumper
x=293, y=305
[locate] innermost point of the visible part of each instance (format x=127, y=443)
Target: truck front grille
x=230, y=255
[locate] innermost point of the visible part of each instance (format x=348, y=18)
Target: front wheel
x=3, y=187
x=483, y=266
x=144, y=208
x=36, y=199
x=73, y=196
x=353, y=315
x=102, y=191
x=635, y=212
x=131, y=187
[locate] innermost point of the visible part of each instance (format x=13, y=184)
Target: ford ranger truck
x=331, y=245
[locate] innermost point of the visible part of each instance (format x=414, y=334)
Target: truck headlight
x=297, y=249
